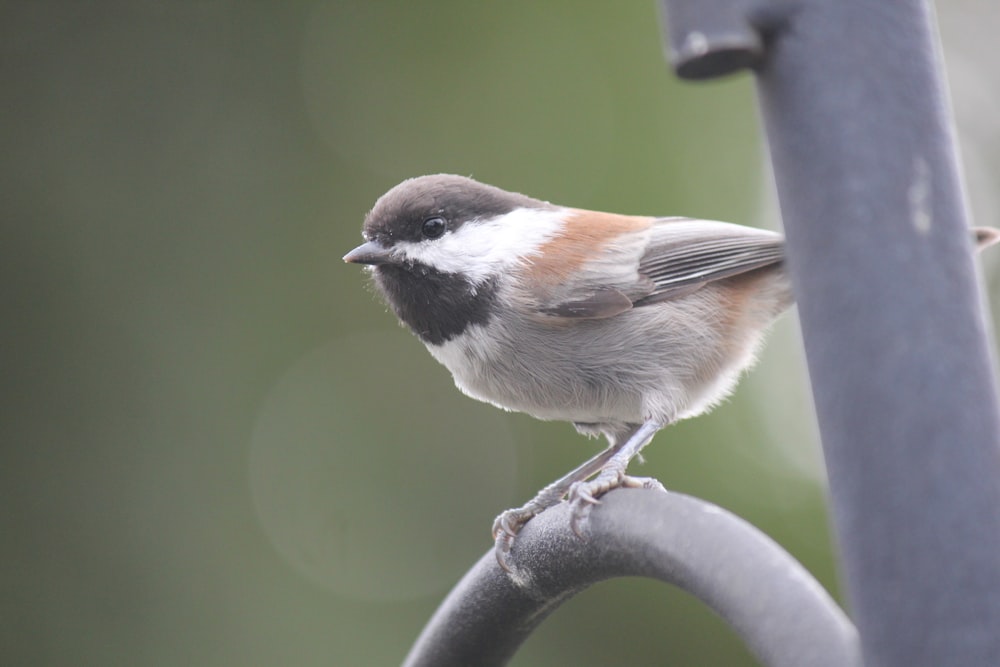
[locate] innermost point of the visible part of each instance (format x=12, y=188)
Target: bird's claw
x=629, y=482
x=505, y=529
x=583, y=496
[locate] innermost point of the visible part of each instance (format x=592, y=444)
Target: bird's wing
x=676, y=257
x=685, y=254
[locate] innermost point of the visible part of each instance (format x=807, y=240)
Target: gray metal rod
x=781, y=612
x=864, y=156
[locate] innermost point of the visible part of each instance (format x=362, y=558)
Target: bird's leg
x=583, y=495
x=506, y=526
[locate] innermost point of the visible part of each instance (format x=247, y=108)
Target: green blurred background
x=218, y=448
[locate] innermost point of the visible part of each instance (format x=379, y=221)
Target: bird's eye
x=433, y=227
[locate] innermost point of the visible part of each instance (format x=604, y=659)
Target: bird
x=619, y=324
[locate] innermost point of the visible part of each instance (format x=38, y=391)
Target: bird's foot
x=609, y=466
x=584, y=495
x=509, y=524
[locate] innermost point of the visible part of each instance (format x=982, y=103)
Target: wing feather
x=678, y=257
x=686, y=254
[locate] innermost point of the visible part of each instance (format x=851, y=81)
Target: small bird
x=619, y=324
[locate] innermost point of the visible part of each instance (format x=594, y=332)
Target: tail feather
x=985, y=236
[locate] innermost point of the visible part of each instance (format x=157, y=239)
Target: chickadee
x=619, y=324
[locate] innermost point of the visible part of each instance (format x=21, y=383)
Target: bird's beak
x=371, y=252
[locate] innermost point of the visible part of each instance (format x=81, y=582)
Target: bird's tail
x=985, y=236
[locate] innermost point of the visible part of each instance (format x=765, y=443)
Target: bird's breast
x=546, y=372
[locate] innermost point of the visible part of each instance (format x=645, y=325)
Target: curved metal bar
x=786, y=618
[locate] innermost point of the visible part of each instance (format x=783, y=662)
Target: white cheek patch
x=480, y=249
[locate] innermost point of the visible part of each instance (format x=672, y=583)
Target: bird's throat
x=437, y=306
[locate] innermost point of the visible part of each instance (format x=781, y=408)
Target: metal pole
x=861, y=139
